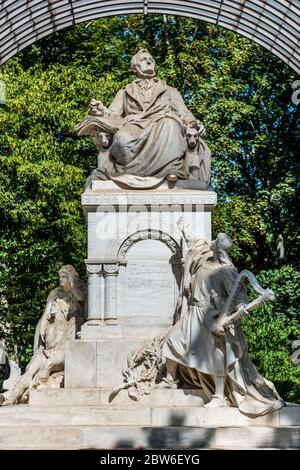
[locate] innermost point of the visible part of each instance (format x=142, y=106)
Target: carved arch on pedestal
x=150, y=234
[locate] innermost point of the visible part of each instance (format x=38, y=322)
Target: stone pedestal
x=134, y=267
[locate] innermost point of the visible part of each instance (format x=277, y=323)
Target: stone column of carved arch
x=94, y=272
x=110, y=272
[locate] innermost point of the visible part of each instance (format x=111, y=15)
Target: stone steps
x=84, y=419
x=172, y=437
x=162, y=401
x=132, y=415
x=91, y=407
x=100, y=397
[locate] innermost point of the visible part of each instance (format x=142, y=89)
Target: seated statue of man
x=62, y=318
x=144, y=131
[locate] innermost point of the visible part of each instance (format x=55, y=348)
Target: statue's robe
x=150, y=140
x=191, y=343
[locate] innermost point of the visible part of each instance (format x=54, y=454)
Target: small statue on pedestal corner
x=61, y=320
x=206, y=346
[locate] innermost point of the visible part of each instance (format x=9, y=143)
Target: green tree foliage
x=271, y=330
x=244, y=222
x=242, y=94
x=40, y=192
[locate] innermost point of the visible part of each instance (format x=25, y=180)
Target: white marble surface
x=154, y=414
x=61, y=437
x=80, y=364
x=100, y=396
x=112, y=359
x=190, y=184
x=290, y=415
x=110, y=225
x=111, y=427
x=150, y=286
x=98, y=363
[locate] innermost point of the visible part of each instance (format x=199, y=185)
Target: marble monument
x=159, y=343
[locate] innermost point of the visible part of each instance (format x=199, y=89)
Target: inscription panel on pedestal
x=151, y=284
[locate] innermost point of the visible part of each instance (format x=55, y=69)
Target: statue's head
x=221, y=247
x=67, y=275
x=143, y=64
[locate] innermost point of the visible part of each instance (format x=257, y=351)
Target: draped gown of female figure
x=192, y=345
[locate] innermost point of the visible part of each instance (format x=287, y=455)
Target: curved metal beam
x=273, y=24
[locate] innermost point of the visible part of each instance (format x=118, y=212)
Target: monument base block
x=134, y=267
x=98, y=362
x=83, y=419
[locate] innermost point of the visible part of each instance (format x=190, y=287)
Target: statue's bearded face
x=145, y=65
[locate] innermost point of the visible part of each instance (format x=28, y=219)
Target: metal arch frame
x=273, y=24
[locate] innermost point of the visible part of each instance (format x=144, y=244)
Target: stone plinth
x=98, y=363
x=135, y=249
x=134, y=268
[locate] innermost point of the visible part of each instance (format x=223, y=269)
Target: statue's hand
x=218, y=330
x=180, y=224
x=242, y=312
x=216, y=327
x=97, y=108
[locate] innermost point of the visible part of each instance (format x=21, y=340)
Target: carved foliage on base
x=144, y=370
